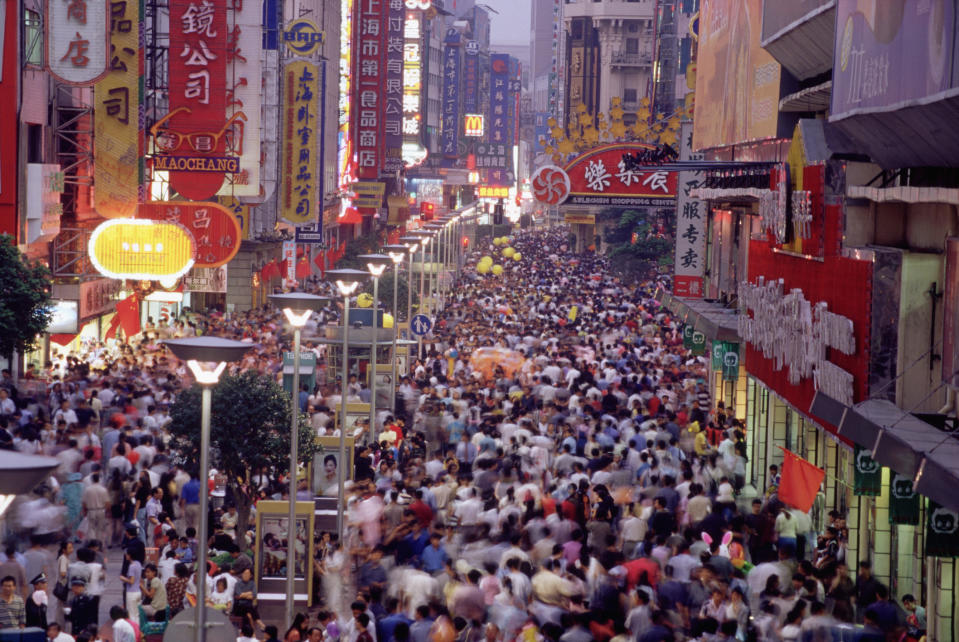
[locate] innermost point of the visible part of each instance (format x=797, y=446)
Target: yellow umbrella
x=509, y=252
x=517, y=256
x=497, y=269
x=483, y=268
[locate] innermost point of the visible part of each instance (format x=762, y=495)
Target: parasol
x=486, y=360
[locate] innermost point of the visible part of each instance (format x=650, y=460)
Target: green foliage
x=623, y=231
x=356, y=247
x=386, y=290
x=249, y=425
x=24, y=299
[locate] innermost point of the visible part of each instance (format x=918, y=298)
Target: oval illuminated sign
x=126, y=248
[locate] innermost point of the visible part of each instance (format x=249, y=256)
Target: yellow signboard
x=584, y=219
x=368, y=194
x=299, y=200
x=117, y=161
x=241, y=211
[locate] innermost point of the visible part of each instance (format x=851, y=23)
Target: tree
x=24, y=299
x=249, y=427
x=386, y=290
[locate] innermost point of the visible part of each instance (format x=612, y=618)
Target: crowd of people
x=578, y=484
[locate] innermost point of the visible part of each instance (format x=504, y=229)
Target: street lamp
x=413, y=244
x=207, y=358
x=376, y=264
x=297, y=307
x=346, y=280
x=396, y=253
x=425, y=237
x=434, y=278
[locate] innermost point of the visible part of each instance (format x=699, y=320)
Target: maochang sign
x=606, y=176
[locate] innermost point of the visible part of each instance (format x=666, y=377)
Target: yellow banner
x=299, y=200
x=117, y=159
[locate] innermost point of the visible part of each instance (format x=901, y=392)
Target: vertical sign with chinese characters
x=243, y=89
x=412, y=76
x=299, y=199
x=369, y=50
x=690, y=225
x=451, y=97
x=393, y=117
x=471, y=77
x=196, y=124
x=289, y=260
x=117, y=140
x=344, y=138
x=499, y=131
x=78, y=40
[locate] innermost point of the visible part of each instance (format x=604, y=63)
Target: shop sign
x=368, y=194
x=299, y=198
x=214, y=228
x=497, y=156
x=200, y=164
x=78, y=38
x=44, y=185
x=451, y=98
x=196, y=122
x=289, y=260
x=491, y=191
x=97, y=297
x=206, y=280
x=474, y=125
x=604, y=177
x=690, y=259
x=369, y=47
x=579, y=219
x=393, y=114
x=412, y=76
x=126, y=248
x=344, y=150
x=499, y=127
x=117, y=110
x=867, y=474
x=302, y=37
x=471, y=77
x=942, y=531
x=795, y=334
x=243, y=90
x=903, y=500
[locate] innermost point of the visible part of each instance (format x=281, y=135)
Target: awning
x=901, y=441
x=710, y=317
x=728, y=194
x=904, y=194
x=813, y=99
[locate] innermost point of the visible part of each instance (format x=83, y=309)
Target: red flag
x=128, y=311
x=320, y=261
x=303, y=268
x=800, y=481
x=269, y=271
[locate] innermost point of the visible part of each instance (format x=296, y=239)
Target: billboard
x=892, y=54
x=117, y=110
x=737, y=82
x=299, y=196
x=690, y=260
x=604, y=177
x=243, y=88
x=499, y=125
x=77, y=37
x=196, y=125
x=451, y=98
x=369, y=95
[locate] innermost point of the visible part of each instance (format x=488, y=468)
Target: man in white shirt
x=122, y=629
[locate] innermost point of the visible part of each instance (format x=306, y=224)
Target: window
x=32, y=38
x=34, y=143
x=632, y=45
x=629, y=95
x=576, y=30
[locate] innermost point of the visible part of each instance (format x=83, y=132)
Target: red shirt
x=634, y=570
x=424, y=514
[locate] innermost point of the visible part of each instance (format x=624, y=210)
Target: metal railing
x=632, y=59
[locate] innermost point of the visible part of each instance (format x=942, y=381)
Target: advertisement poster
x=299, y=198
x=737, y=81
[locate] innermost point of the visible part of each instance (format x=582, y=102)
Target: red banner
x=370, y=25
x=196, y=124
x=800, y=481
x=9, y=117
x=604, y=176
x=214, y=228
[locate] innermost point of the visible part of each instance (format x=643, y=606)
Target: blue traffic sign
x=421, y=325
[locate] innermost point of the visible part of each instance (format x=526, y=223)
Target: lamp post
x=376, y=264
x=412, y=243
x=396, y=253
x=347, y=280
x=438, y=248
x=207, y=358
x=425, y=237
x=297, y=308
